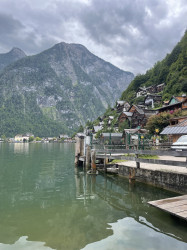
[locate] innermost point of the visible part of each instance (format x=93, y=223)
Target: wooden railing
x=121, y=152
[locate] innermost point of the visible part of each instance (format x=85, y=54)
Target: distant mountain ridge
x=13, y=55
x=57, y=90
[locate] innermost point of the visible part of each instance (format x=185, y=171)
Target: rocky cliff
x=10, y=57
x=57, y=90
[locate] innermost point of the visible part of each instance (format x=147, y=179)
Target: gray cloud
x=132, y=35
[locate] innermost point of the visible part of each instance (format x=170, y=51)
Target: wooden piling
x=132, y=174
x=81, y=146
x=93, y=159
x=77, y=150
x=88, y=157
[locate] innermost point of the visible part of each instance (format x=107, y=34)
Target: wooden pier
x=176, y=206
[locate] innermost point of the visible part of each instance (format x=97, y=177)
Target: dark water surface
x=46, y=204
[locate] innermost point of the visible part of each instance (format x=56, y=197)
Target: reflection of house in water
x=21, y=148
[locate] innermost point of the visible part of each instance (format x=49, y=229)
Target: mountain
x=57, y=90
x=10, y=57
x=172, y=71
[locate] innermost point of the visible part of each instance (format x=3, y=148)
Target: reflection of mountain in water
x=42, y=198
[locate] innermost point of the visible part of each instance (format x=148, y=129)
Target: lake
x=46, y=203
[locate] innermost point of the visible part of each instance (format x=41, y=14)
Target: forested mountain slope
x=172, y=70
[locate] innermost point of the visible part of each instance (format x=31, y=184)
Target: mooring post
x=93, y=159
x=88, y=157
x=105, y=167
x=136, y=156
x=77, y=150
x=132, y=174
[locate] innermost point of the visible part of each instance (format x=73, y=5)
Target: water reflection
x=21, y=148
x=44, y=198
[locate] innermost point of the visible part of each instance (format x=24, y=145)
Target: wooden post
x=132, y=175
x=88, y=157
x=105, y=163
x=137, y=163
x=81, y=146
x=77, y=150
x=136, y=156
x=93, y=159
x=105, y=168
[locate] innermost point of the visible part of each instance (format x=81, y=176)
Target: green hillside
x=172, y=70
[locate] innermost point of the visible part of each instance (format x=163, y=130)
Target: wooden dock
x=176, y=206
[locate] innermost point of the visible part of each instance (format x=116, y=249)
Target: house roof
x=180, y=128
x=152, y=95
x=159, y=85
x=170, y=105
x=120, y=102
x=128, y=113
x=80, y=135
x=135, y=130
x=181, y=98
x=178, y=118
x=97, y=128
x=139, y=110
x=112, y=134
x=102, y=123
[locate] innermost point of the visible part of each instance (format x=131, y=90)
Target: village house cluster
x=137, y=115
x=29, y=137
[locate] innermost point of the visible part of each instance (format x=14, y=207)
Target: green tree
x=38, y=139
x=123, y=125
x=3, y=137
x=31, y=138
x=159, y=121
x=80, y=129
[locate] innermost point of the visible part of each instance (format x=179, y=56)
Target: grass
x=116, y=161
x=148, y=156
x=143, y=156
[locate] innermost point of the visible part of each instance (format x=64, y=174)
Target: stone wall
x=171, y=181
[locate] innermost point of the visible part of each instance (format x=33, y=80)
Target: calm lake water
x=45, y=203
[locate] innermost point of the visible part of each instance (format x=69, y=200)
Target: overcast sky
x=131, y=34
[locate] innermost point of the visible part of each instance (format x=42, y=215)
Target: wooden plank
x=182, y=214
x=173, y=204
x=176, y=206
x=178, y=209
x=183, y=197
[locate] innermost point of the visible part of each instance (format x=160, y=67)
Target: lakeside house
x=23, y=137
x=175, y=103
x=122, y=106
x=152, y=99
x=63, y=136
x=143, y=91
x=136, y=116
x=177, y=130
x=125, y=116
